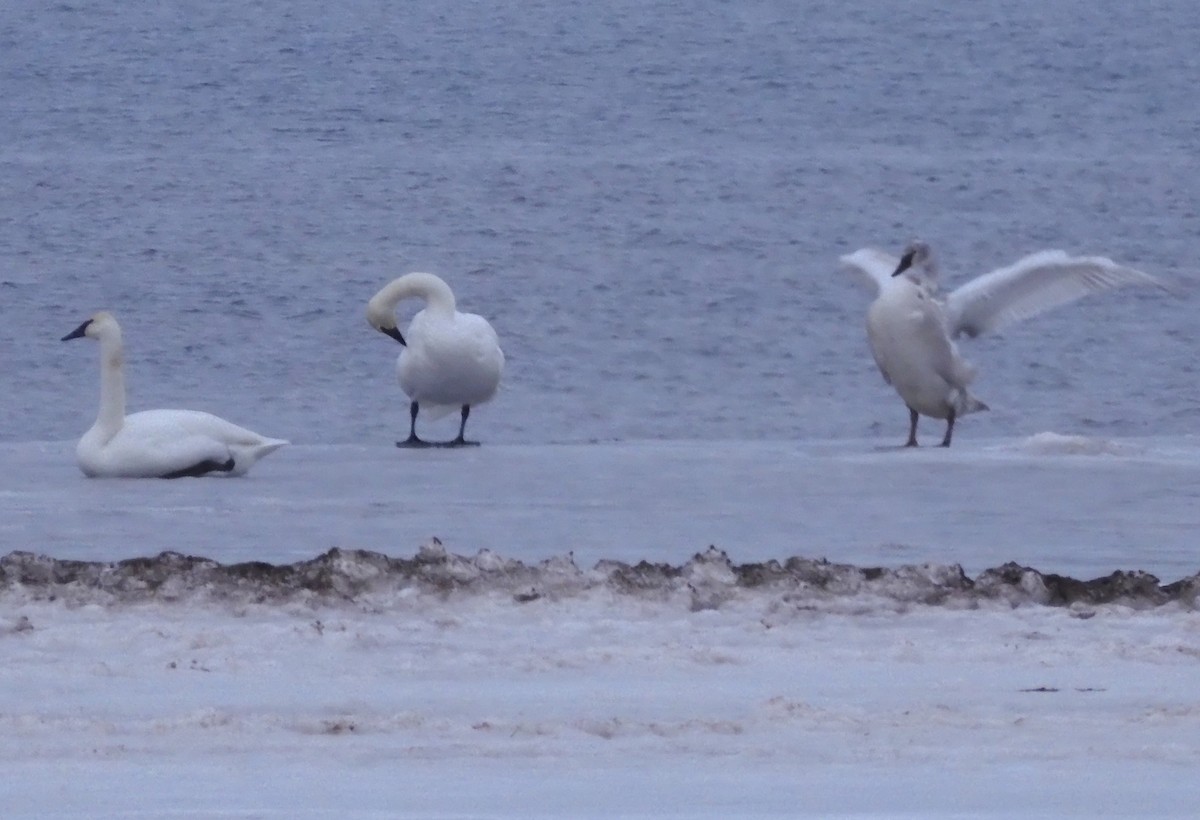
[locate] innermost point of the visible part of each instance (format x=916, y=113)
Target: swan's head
x=101, y=324
x=916, y=254
x=381, y=310
x=382, y=317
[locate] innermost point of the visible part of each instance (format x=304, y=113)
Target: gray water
x=647, y=200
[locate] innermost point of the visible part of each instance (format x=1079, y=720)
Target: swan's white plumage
x=874, y=267
x=156, y=443
x=909, y=342
x=1032, y=285
x=910, y=326
x=450, y=359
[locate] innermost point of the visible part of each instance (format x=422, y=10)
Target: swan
x=156, y=443
x=911, y=326
x=450, y=360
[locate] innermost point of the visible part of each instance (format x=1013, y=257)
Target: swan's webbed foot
x=912, y=429
x=461, y=441
x=412, y=440
x=949, y=428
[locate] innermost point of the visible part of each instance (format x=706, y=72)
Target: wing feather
x=1032, y=285
x=873, y=267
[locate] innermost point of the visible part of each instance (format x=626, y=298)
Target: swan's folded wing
x=1032, y=285
x=879, y=350
x=153, y=451
x=873, y=267
x=166, y=442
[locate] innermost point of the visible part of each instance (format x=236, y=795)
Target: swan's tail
x=270, y=445
x=965, y=403
x=245, y=455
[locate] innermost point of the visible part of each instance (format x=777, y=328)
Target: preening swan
x=911, y=327
x=450, y=360
x=156, y=443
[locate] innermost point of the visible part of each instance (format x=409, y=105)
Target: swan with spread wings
x=911, y=325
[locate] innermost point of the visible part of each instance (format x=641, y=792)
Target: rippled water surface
x=647, y=200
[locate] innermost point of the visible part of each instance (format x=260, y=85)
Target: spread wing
x=873, y=267
x=1032, y=285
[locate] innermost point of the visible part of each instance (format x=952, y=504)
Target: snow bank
x=706, y=581
x=356, y=685
x=1058, y=444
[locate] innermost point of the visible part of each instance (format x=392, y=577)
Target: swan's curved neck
x=436, y=293
x=112, y=384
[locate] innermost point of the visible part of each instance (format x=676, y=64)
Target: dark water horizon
x=647, y=202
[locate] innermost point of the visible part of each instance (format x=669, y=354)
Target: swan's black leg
x=412, y=440
x=462, y=426
x=912, y=428
x=949, y=428
x=207, y=466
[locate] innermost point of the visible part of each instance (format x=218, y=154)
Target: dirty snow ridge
x=709, y=580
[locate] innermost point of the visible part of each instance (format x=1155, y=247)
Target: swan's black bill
x=905, y=263
x=77, y=333
x=395, y=334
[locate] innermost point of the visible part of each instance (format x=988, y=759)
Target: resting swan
x=450, y=360
x=911, y=326
x=156, y=443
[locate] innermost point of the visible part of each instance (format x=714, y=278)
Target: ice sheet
x=1079, y=506
x=697, y=698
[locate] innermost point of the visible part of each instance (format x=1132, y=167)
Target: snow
x=527, y=664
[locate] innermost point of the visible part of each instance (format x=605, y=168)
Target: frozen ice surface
x=980, y=504
x=986, y=638
x=648, y=201
x=470, y=704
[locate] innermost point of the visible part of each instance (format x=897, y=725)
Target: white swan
x=156, y=443
x=910, y=327
x=450, y=361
